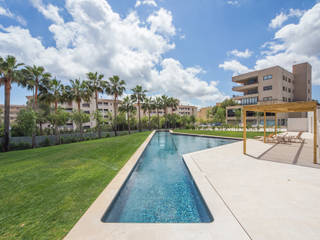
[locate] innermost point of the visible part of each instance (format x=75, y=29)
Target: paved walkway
x=270, y=200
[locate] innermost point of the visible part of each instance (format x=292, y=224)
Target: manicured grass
x=222, y=133
x=44, y=191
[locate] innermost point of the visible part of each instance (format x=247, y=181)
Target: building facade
x=272, y=85
x=14, y=110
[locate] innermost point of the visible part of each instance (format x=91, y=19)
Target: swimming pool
x=160, y=188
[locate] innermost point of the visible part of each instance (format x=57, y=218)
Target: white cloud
x=50, y=11
x=245, y=54
x=9, y=14
x=161, y=22
x=235, y=66
x=233, y=3
x=292, y=44
x=146, y=2
x=98, y=39
x=282, y=17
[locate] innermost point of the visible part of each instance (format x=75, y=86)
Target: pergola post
x=244, y=121
x=275, y=123
x=264, y=126
x=315, y=136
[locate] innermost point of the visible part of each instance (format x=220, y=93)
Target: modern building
x=272, y=85
x=182, y=110
x=203, y=113
x=14, y=110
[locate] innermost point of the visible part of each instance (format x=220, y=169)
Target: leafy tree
x=238, y=115
x=97, y=86
x=128, y=108
x=26, y=122
x=220, y=115
x=165, y=104
x=115, y=87
x=58, y=119
x=9, y=73
x=79, y=117
x=138, y=97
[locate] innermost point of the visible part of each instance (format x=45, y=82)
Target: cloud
x=282, y=17
x=235, y=66
x=99, y=39
x=292, y=44
x=9, y=14
x=146, y=2
x=161, y=22
x=245, y=54
x=50, y=11
x=233, y=3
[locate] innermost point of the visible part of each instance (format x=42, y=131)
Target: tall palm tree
x=148, y=106
x=53, y=92
x=173, y=103
x=128, y=108
x=138, y=97
x=165, y=104
x=35, y=76
x=158, y=106
x=78, y=91
x=97, y=85
x=9, y=73
x=115, y=87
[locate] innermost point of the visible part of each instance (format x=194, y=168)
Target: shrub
x=45, y=142
x=107, y=135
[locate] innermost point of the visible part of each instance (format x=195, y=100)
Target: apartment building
x=272, y=85
x=182, y=110
x=14, y=110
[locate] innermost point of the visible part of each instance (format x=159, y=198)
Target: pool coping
x=224, y=226
x=205, y=135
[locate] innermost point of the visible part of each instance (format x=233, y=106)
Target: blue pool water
x=160, y=188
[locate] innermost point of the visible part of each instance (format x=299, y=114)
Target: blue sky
x=187, y=49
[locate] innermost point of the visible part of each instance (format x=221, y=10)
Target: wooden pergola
x=310, y=106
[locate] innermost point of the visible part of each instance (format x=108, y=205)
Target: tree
x=128, y=108
x=97, y=86
x=115, y=87
x=34, y=77
x=173, y=103
x=220, y=115
x=58, y=118
x=79, y=118
x=138, y=97
x=79, y=91
x=26, y=121
x=165, y=105
x=237, y=114
x=147, y=106
x=9, y=73
x=158, y=105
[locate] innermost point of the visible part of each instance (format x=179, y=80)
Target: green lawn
x=44, y=191
x=222, y=133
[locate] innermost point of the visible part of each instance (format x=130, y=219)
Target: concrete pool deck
x=248, y=198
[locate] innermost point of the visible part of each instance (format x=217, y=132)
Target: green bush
x=45, y=142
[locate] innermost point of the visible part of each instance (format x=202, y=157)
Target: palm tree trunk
x=56, y=130
x=139, y=116
x=128, y=122
x=35, y=105
x=6, y=139
x=115, y=115
x=149, y=120
x=158, y=118
x=98, y=121
x=80, y=123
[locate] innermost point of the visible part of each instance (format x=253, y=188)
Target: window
x=85, y=105
x=267, y=99
x=267, y=77
x=266, y=88
x=284, y=88
x=289, y=90
x=87, y=112
x=289, y=99
x=106, y=103
x=289, y=80
x=283, y=77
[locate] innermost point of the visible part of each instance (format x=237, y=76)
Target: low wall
x=297, y=124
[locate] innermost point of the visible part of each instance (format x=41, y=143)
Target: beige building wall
x=203, y=113
x=14, y=110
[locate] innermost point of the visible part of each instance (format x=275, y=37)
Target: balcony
x=244, y=88
x=239, y=97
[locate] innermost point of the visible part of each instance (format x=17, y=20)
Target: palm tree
x=78, y=91
x=97, y=85
x=158, y=105
x=138, y=97
x=34, y=77
x=9, y=73
x=127, y=107
x=53, y=92
x=148, y=106
x=173, y=103
x=165, y=104
x=115, y=87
